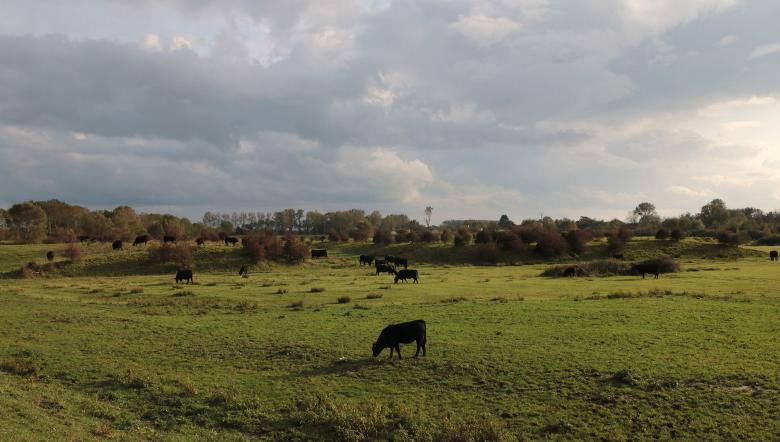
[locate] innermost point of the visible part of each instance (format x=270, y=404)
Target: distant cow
x=184, y=275
x=404, y=333
x=389, y=259
x=385, y=268
x=651, y=268
x=366, y=259
x=619, y=256
x=200, y=241
x=773, y=255
x=117, y=245
x=378, y=262
x=169, y=238
x=401, y=262
x=405, y=274
x=319, y=253
x=83, y=238
x=50, y=255
x=141, y=239
x=243, y=271
x=231, y=240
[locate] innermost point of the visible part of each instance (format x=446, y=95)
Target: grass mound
x=609, y=267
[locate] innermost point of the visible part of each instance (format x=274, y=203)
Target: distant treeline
x=55, y=221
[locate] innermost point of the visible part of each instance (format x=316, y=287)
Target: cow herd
x=390, y=264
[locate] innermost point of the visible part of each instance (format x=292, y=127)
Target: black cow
x=385, y=268
x=398, y=261
x=619, y=256
x=50, y=255
x=389, y=259
x=651, y=268
x=773, y=255
x=184, y=275
x=378, y=262
x=141, y=239
x=396, y=334
x=117, y=245
x=169, y=238
x=230, y=240
x=406, y=274
x=84, y=238
x=366, y=259
x=200, y=241
x=319, y=253
x=243, y=271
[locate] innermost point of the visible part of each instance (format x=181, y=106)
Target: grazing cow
x=230, y=240
x=389, y=259
x=404, y=333
x=366, y=259
x=651, y=268
x=140, y=239
x=50, y=255
x=398, y=261
x=319, y=253
x=184, y=275
x=200, y=242
x=117, y=245
x=169, y=238
x=84, y=238
x=385, y=268
x=243, y=271
x=406, y=274
x=378, y=262
x=619, y=256
x=773, y=255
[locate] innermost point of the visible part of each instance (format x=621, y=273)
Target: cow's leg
x=418, y=348
x=398, y=350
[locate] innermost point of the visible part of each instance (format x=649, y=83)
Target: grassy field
x=111, y=348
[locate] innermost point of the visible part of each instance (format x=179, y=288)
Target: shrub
x=550, y=244
x=578, y=240
x=317, y=289
x=294, y=250
x=428, y=236
x=665, y=265
x=446, y=236
x=136, y=290
x=72, y=252
x=483, y=237
x=662, y=234
x=677, y=235
x=486, y=253
x=383, y=237
x=508, y=240
x=373, y=296
x=462, y=237
x=61, y=235
x=729, y=238
x=773, y=240
x=337, y=235
x=343, y=299
x=528, y=234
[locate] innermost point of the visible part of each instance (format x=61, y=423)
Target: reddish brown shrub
x=508, y=240
x=486, y=253
x=578, y=240
x=550, y=243
x=72, y=252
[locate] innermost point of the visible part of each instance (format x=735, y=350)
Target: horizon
x=477, y=109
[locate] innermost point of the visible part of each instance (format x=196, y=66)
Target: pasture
x=112, y=348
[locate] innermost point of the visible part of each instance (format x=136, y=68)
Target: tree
x=28, y=222
x=428, y=214
x=714, y=213
x=505, y=222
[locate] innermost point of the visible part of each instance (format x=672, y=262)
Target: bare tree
x=428, y=214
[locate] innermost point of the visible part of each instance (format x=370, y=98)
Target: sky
x=476, y=108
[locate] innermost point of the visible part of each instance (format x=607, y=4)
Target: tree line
x=54, y=221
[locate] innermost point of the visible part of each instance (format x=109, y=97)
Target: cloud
x=475, y=107
x=687, y=191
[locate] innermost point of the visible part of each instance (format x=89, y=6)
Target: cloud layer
x=474, y=107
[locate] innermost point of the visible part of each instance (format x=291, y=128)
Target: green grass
x=692, y=355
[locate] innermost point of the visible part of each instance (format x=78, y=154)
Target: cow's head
x=376, y=349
